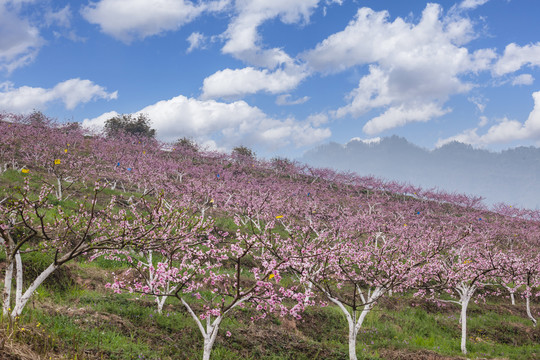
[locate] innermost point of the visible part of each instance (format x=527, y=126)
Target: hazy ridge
x=511, y=176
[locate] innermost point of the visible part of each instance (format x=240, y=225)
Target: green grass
x=95, y=324
x=68, y=320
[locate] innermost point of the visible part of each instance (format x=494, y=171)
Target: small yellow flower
x=65, y=150
x=279, y=216
x=271, y=276
x=57, y=162
x=25, y=171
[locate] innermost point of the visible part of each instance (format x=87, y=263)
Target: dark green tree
x=127, y=123
x=243, y=152
x=187, y=144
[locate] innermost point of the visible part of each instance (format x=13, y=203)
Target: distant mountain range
x=511, y=176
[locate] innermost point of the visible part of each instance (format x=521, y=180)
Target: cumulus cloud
x=370, y=37
x=138, y=19
x=244, y=42
x=97, y=124
x=19, y=40
x=413, y=67
x=224, y=124
x=71, y=92
x=236, y=83
x=271, y=70
x=400, y=115
x=504, y=131
x=515, y=57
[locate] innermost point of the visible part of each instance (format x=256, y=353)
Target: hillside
x=127, y=248
x=510, y=176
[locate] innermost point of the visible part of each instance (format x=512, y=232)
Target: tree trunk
x=19, y=306
x=513, y=298
x=18, y=277
x=529, y=314
x=463, y=318
x=7, y=289
x=209, y=334
x=356, y=324
x=59, y=192
x=352, y=339
x=210, y=337
x=160, y=300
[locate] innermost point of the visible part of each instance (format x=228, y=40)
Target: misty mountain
x=511, y=176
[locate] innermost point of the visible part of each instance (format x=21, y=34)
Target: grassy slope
x=74, y=317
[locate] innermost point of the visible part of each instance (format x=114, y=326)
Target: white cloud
x=504, y=131
x=272, y=70
x=19, y=41
x=374, y=140
x=317, y=119
x=284, y=100
x=471, y=4
x=137, y=19
x=196, y=41
x=413, y=67
x=523, y=79
x=516, y=56
x=483, y=121
x=479, y=101
x=371, y=38
x=244, y=42
x=71, y=92
x=236, y=83
x=224, y=124
x=97, y=124
x=61, y=17
x=402, y=114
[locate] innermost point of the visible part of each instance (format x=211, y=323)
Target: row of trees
x=302, y=237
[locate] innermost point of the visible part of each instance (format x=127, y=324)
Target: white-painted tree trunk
x=209, y=333
x=465, y=294
x=352, y=340
x=511, y=291
x=18, y=277
x=356, y=324
x=59, y=191
x=7, y=289
x=212, y=327
x=309, y=291
x=19, y=305
x=464, y=305
x=528, y=306
x=160, y=301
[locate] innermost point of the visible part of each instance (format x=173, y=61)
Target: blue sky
x=281, y=76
